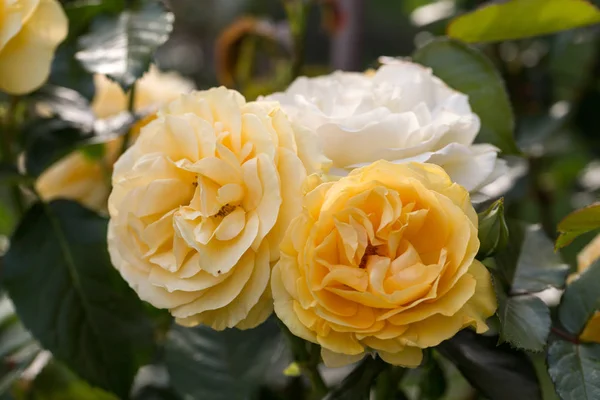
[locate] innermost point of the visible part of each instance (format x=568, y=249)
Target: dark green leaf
x=575, y=370
x=10, y=175
x=580, y=300
x=81, y=13
x=68, y=71
x=498, y=372
x=517, y=19
x=525, y=321
x=89, y=318
x=529, y=263
x=212, y=365
x=469, y=71
x=433, y=381
x=577, y=223
x=122, y=47
x=48, y=140
x=357, y=385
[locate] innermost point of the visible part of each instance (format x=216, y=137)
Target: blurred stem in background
x=307, y=356
x=9, y=155
x=542, y=192
x=346, y=42
x=131, y=109
x=386, y=386
x=297, y=12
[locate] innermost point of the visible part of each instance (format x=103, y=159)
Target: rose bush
x=79, y=177
x=30, y=31
x=399, y=113
x=383, y=259
x=200, y=203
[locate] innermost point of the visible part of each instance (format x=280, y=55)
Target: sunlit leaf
x=577, y=223
x=122, y=46
x=516, y=19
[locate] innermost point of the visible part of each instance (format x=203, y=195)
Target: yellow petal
x=337, y=360
x=219, y=257
x=591, y=332
x=220, y=295
x=284, y=308
x=409, y=357
x=25, y=60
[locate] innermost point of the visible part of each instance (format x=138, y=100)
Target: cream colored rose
x=587, y=256
x=200, y=203
x=383, y=260
x=86, y=180
x=399, y=113
x=30, y=31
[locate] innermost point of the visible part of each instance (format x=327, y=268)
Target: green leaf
x=81, y=13
x=357, y=385
x=517, y=19
x=212, y=365
x=524, y=321
x=493, y=231
x=498, y=372
x=89, y=318
x=529, y=263
x=469, y=71
x=577, y=223
x=10, y=175
x=433, y=382
x=48, y=140
x=575, y=370
x=122, y=47
x=580, y=300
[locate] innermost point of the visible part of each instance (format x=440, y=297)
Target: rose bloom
x=587, y=256
x=383, y=260
x=399, y=113
x=200, y=203
x=30, y=31
x=81, y=178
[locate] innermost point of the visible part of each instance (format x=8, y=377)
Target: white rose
x=399, y=113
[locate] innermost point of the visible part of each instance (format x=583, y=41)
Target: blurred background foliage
x=553, y=82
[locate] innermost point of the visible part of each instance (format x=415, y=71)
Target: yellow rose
x=585, y=258
x=81, y=178
x=30, y=31
x=383, y=260
x=200, y=202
